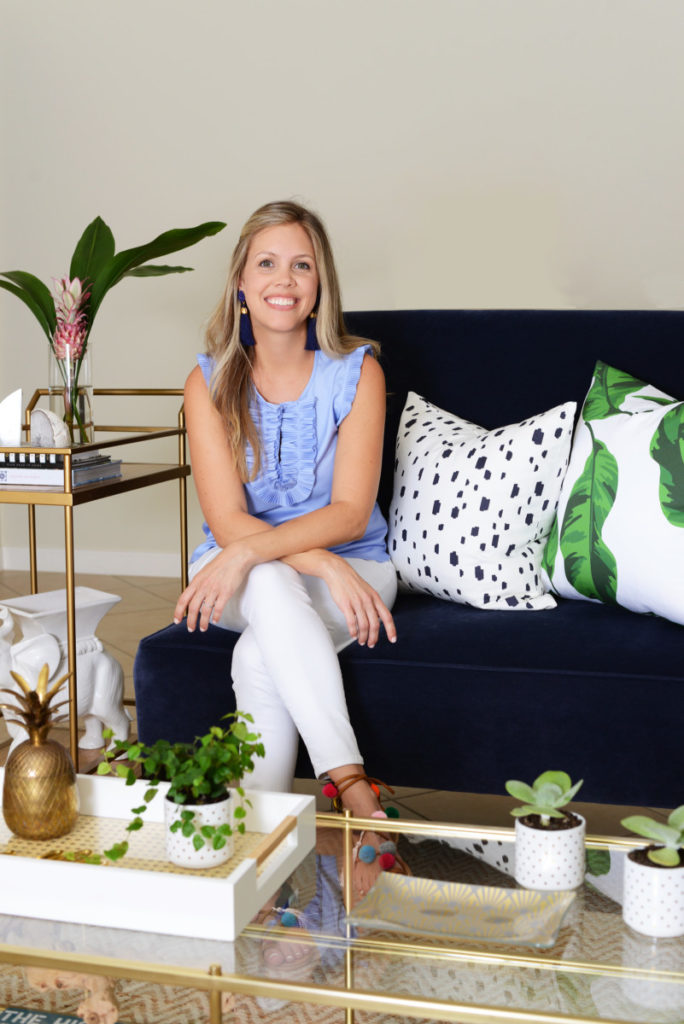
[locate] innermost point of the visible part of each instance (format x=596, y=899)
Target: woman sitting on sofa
x=285, y=418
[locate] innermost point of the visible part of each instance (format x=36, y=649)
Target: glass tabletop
x=583, y=963
x=487, y=943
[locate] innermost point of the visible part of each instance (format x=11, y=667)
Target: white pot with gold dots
x=199, y=835
x=550, y=858
x=653, y=898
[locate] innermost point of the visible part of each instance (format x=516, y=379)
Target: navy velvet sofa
x=468, y=698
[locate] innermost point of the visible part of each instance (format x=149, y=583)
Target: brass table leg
x=183, y=497
x=33, y=565
x=215, y=1013
x=182, y=484
x=71, y=632
x=347, y=876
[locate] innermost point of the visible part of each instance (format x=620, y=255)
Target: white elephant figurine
x=99, y=677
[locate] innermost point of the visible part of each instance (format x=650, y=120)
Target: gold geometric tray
x=423, y=906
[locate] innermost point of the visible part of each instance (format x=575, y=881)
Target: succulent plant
x=671, y=836
x=548, y=792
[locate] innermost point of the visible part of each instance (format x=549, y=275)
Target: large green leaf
x=128, y=259
x=156, y=270
x=589, y=563
x=93, y=250
x=31, y=303
x=608, y=391
x=551, y=550
x=667, y=449
x=35, y=294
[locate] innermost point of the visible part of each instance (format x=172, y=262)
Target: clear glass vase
x=71, y=393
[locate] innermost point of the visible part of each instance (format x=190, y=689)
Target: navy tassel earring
x=311, y=339
x=246, y=335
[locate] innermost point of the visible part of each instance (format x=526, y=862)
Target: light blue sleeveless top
x=299, y=440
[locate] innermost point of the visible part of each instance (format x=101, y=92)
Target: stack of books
x=31, y=469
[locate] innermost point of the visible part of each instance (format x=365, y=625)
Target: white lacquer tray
x=144, y=891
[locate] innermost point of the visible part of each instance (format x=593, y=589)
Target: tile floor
x=147, y=605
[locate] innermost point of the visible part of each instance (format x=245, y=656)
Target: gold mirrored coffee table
x=583, y=964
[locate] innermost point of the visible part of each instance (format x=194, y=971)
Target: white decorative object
x=653, y=899
x=180, y=849
x=48, y=430
x=549, y=858
x=472, y=508
x=10, y=419
x=42, y=618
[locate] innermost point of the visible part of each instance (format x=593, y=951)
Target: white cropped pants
x=285, y=668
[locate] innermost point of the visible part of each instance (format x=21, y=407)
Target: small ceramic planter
x=180, y=849
x=549, y=858
x=653, y=899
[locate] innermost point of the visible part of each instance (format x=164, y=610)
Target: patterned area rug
x=141, y=1003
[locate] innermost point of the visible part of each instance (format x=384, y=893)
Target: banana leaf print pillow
x=619, y=532
x=472, y=507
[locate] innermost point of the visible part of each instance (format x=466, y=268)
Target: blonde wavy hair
x=231, y=383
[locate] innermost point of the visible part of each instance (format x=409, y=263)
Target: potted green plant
x=653, y=893
x=549, y=842
x=199, y=807
x=67, y=317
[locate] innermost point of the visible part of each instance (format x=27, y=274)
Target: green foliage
x=551, y=550
x=590, y=565
x=34, y=294
x=548, y=792
x=598, y=862
x=96, y=262
x=671, y=836
x=666, y=450
x=609, y=389
x=198, y=773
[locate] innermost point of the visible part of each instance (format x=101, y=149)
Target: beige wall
x=464, y=153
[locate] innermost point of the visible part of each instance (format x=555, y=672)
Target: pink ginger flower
x=72, y=323
x=68, y=340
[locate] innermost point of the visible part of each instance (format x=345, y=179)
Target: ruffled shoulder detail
x=206, y=365
x=289, y=450
x=350, y=371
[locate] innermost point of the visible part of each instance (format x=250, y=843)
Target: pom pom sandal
x=364, y=853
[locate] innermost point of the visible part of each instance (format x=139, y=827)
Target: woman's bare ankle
x=358, y=797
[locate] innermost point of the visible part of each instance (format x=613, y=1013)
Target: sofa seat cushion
x=554, y=685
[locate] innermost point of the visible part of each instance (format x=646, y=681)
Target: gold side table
x=134, y=476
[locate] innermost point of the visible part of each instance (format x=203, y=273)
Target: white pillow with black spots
x=472, y=508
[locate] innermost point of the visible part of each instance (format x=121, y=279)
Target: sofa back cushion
x=619, y=534
x=472, y=508
x=499, y=366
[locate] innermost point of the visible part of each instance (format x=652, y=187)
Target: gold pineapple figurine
x=40, y=795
